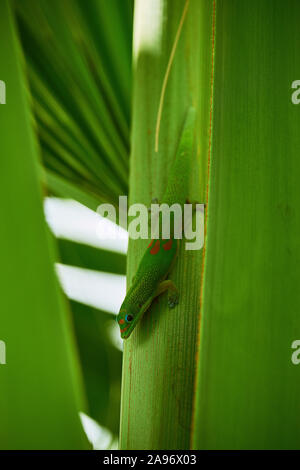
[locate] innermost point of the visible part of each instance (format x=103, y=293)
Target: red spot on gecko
x=121, y=321
x=124, y=329
x=155, y=249
x=167, y=246
x=151, y=243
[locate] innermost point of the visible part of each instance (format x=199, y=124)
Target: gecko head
x=126, y=322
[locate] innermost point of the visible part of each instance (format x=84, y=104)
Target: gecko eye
x=129, y=318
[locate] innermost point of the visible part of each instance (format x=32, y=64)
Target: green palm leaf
x=80, y=99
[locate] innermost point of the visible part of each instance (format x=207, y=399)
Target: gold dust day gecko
x=160, y=255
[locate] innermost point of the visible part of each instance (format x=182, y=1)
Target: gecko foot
x=173, y=299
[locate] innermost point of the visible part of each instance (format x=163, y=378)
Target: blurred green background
x=66, y=121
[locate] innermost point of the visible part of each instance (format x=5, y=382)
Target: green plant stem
x=159, y=358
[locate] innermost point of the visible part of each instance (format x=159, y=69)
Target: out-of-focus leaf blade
x=101, y=364
x=248, y=387
x=89, y=257
x=41, y=391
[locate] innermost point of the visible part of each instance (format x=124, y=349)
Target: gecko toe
x=173, y=301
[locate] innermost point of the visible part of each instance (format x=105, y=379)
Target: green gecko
x=160, y=255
